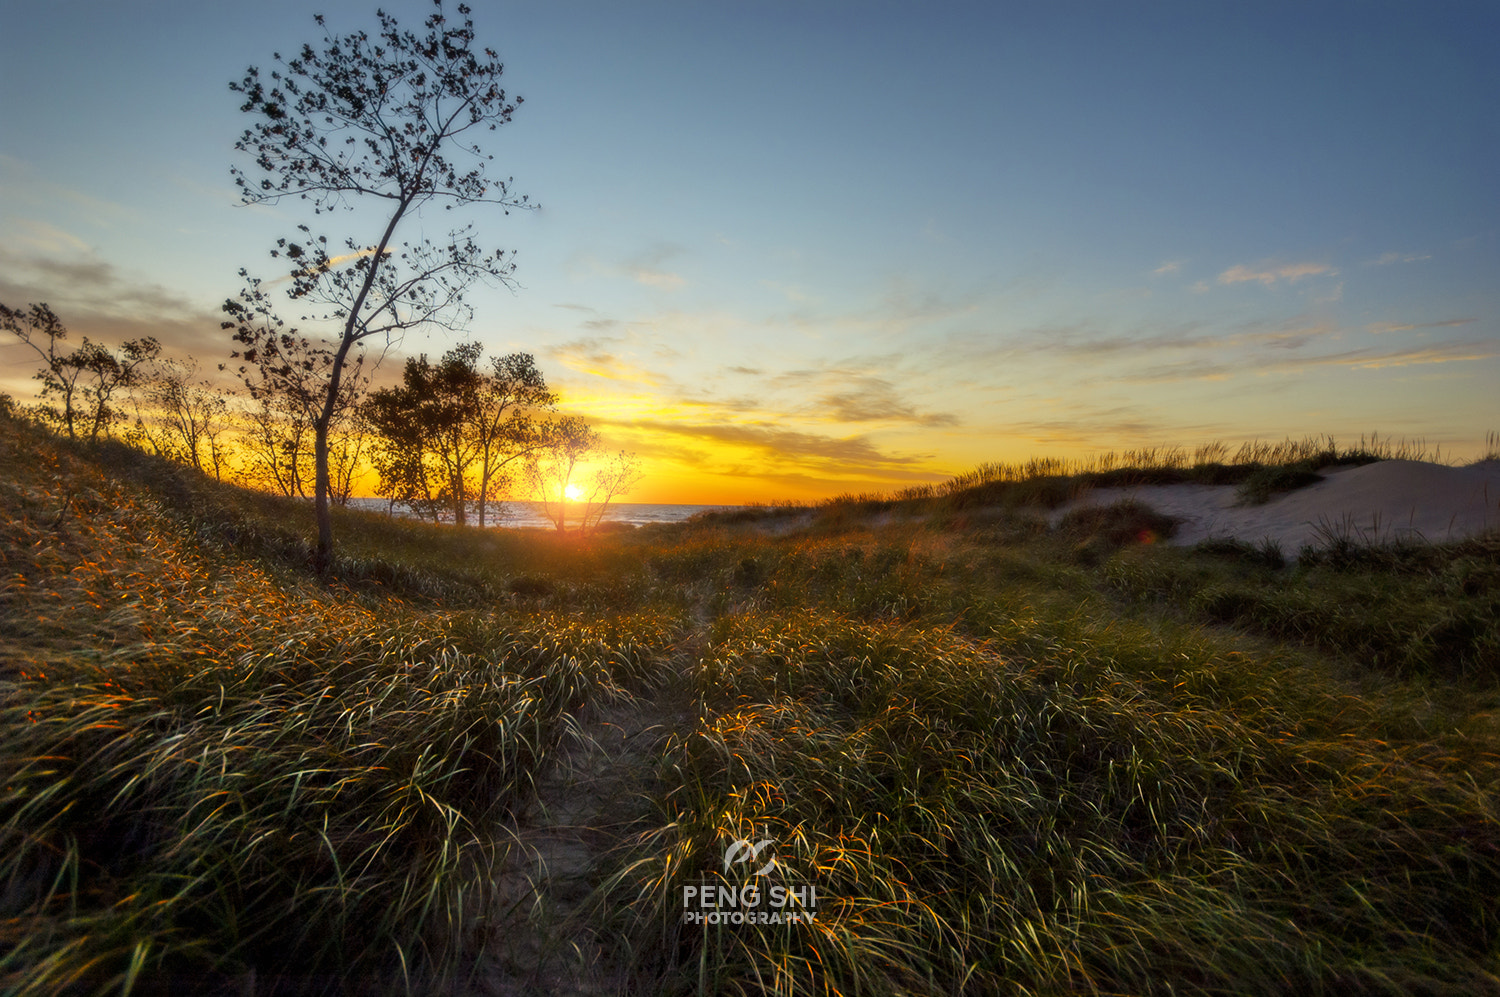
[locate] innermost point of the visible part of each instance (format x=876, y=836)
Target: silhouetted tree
x=287, y=377
x=511, y=396
x=446, y=434
x=613, y=478
x=552, y=473
x=85, y=380
x=382, y=120
x=185, y=418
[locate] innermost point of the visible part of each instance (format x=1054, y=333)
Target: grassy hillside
x=1011, y=759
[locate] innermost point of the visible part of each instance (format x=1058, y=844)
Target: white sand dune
x=1384, y=501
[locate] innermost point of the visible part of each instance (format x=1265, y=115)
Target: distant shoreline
x=523, y=515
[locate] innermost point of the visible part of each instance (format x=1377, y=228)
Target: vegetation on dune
x=1012, y=758
x=212, y=765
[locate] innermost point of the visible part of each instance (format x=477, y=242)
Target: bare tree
x=287, y=377
x=552, y=473
x=185, y=418
x=612, y=479
x=86, y=379
x=383, y=120
x=276, y=447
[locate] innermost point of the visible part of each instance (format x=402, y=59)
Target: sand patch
x=1381, y=502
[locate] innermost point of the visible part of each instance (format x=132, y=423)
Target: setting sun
x=573, y=493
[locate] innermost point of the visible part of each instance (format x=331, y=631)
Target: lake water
x=528, y=515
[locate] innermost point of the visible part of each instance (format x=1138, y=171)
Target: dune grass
x=214, y=769
x=1004, y=780
x=1012, y=759
x=1259, y=469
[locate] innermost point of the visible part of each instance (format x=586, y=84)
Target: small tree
x=615, y=475
x=275, y=447
x=552, y=473
x=185, y=418
x=287, y=377
x=386, y=121
x=424, y=451
x=86, y=379
x=505, y=430
x=446, y=434
x=400, y=453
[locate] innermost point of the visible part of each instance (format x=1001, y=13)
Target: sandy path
x=542, y=943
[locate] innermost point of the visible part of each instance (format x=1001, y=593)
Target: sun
x=573, y=493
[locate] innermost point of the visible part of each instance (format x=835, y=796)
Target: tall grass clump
x=1418, y=611
x=974, y=825
x=315, y=813
x=1011, y=758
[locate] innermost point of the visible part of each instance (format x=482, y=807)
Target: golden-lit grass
x=1013, y=759
x=208, y=771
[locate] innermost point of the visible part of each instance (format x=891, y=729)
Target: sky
x=792, y=250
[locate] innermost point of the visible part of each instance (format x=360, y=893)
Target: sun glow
x=573, y=493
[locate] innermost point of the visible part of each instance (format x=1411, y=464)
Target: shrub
x=1266, y=482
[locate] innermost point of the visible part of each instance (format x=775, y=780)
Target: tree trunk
x=323, y=556
x=484, y=488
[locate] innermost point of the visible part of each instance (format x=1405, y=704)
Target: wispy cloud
x=657, y=278
x=1170, y=266
x=1379, y=328
x=594, y=357
x=43, y=237
x=647, y=268
x=1081, y=343
x=852, y=453
x=1386, y=259
x=793, y=293
x=873, y=399
x=1268, y=274
x=1453, y=353
x=20, y=183
x=95, y=299
x=849, y=391
x=1332, y=296
x=903, y=308
x=1360, y=359
x=333, y=261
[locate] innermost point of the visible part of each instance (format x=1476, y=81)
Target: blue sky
x=805, y=248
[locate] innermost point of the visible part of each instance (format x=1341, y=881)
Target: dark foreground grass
x=1010, y=759
x=1000, y=784
x=1411, y=609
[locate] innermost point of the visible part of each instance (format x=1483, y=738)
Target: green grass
x=1012, y=759
x=1004, y=781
